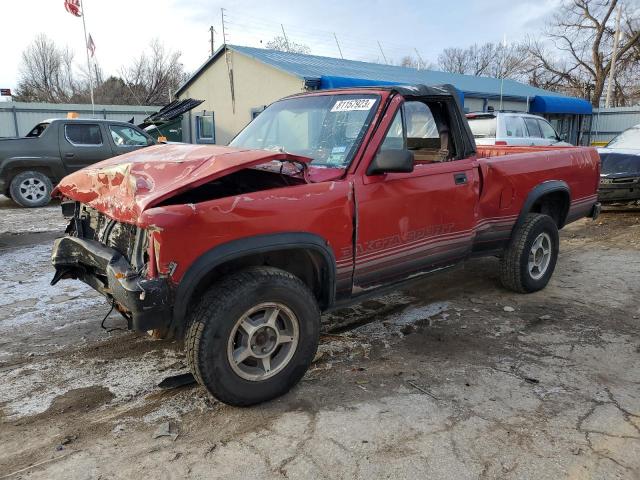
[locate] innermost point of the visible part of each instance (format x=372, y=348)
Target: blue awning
x=327, y=81
x=558, y=104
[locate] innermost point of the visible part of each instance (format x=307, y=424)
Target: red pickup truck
x=325, y=198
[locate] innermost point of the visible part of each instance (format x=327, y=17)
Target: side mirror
x=391, y=161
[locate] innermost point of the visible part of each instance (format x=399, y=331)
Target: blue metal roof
x=313, y=66
x=327, y=72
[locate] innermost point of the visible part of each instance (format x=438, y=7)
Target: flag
x=73, y=7
x=91, y=46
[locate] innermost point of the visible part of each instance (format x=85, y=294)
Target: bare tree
x=582, y=32
x=283, y=44
x=154, y=76
x=490, y=59
x=46, y=73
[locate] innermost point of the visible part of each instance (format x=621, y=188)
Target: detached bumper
x=619, y=192
x=147, y=302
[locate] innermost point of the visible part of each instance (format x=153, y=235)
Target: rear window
x=83, y=134
x=37, y=130
x=483, y=127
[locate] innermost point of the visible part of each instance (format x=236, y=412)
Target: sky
x=122, y=29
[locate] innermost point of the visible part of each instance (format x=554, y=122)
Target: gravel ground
x=454, y=377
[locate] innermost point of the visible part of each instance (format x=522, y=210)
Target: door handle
x=460, y=178
x=69, y=155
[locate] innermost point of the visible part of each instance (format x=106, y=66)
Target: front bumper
x=619, y=192
x=145, y=302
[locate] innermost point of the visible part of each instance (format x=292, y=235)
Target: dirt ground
x=453, y=378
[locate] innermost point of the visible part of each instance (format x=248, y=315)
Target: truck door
x=410, y=223
x=81, y=144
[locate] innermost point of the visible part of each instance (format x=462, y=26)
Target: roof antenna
x=286, y=40
x=213, y=45
x=338, y=44
x=385, y=58
x=504, y=52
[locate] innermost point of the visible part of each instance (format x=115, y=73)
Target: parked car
x=512, y=128
x=325, y=198
x=32, y=165
x=620, y=171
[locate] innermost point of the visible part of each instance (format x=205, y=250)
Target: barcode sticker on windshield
x=353, y=104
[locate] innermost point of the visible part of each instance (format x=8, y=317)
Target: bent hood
x=125, y=186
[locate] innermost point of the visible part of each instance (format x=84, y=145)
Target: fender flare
x=50, y=166
x=538, y=192
x=242, y=247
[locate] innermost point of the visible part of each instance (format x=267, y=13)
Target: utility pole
x=286, y=40
x=213, y=45
x=383, y=56
x=338, y=44
x=86, y=49
x=614, y=58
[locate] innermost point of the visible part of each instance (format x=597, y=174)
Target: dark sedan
x=620, y=171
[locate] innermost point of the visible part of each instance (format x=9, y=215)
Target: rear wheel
x=530, y=259
x=31, y=189
x=253, y=336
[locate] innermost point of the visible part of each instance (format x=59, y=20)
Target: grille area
x=91, y=224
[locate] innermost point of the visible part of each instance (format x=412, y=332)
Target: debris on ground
x=164, y=430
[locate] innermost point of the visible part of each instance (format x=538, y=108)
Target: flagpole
x=86, y=49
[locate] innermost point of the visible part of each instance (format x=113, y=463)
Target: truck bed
x=485, y=151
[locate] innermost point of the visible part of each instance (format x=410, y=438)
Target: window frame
x=400, y=111
x=526, y=125
x=199, y=137
x=84, y=144
x=556, y=137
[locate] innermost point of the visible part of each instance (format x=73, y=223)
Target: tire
x=31, y=189
x=215, y=338
x=526, y=269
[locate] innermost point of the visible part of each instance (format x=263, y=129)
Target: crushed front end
x=113, y=258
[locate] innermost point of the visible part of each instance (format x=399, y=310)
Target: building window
x=205, y=128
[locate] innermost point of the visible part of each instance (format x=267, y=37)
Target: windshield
x=619, y=163
x=482, y=127
x=628, y=139
x=326, y=128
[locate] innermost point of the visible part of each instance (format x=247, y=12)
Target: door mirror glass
x=392, y=161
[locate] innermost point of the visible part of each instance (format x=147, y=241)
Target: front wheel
x=31, y=189
x=530, y=258
x=253, y=336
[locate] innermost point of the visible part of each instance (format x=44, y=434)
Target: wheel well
x=306, y=264
x=17, y=170
x=555, y=204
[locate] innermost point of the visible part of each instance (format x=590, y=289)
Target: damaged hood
x=124, y=186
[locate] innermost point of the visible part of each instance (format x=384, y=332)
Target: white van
x=512, y=128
